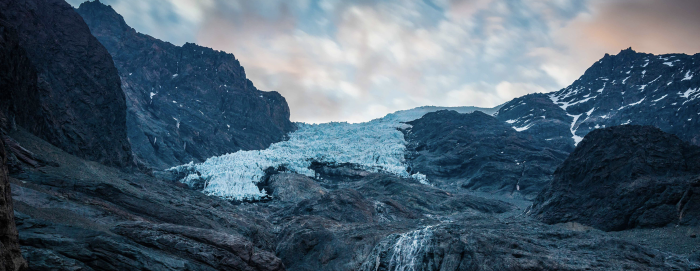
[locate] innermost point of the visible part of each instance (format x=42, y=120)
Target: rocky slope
x=627, y=88
x=478, y=152
x=625, y=177
x=185, y=103
x=79, y=105
x=78, y=214
x=488, y=244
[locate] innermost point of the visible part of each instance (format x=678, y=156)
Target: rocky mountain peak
x=185, y=103
x=627, y=88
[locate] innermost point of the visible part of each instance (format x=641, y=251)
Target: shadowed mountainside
x=185, y=103
x=78, y=105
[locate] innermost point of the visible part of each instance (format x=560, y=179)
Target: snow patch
x=152, y=94
x=632, y=104
x=625, y=80
x=175, y=75
x=688, y=92
x=520, y=129
x=688, y=76
x=670, y=64
x=659, y=99
x=603, y=88
x=576, y=138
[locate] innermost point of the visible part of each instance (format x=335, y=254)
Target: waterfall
x=409, y=250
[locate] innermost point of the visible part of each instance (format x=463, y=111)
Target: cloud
x=355, y=60
x=658, y=27
x=397, y=54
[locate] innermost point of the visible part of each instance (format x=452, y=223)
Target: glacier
x=377, y=145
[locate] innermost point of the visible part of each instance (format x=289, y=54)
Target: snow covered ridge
x=375, y=146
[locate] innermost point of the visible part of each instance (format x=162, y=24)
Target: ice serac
x=477, y=152
x=627, y=88
x=185, y=103
x=78, y=104
x=625, y=177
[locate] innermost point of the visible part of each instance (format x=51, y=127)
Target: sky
x=356, y=60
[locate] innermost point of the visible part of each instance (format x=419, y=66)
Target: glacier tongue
x=375, y=146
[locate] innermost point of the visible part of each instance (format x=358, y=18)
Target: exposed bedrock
x=625, y=177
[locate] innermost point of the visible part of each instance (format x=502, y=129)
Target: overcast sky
x=356, y=60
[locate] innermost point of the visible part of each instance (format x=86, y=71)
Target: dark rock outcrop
x=478, y=152
x=627, y=88
x=625, y=177
x=78, y=104
x=19, y=100
x=185, y=103
x=10, y=256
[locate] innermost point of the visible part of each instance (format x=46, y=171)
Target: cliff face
x=185, y=103
x=16, y=77
x=78, y=104
x=625, y=177
x=10, y=255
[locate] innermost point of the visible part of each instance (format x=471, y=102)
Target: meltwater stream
x=409, y=250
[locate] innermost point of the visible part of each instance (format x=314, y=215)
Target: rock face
x=627, y=88
x=10, y=256
x=19, y=100
x=625, y=177
x=79, y=105
x=478, y=152
x=185, y=103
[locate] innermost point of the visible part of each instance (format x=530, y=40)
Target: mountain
x=476, y=151
x=185, y=103
x=78, y=104
x=625, y=177
x=627, y=88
